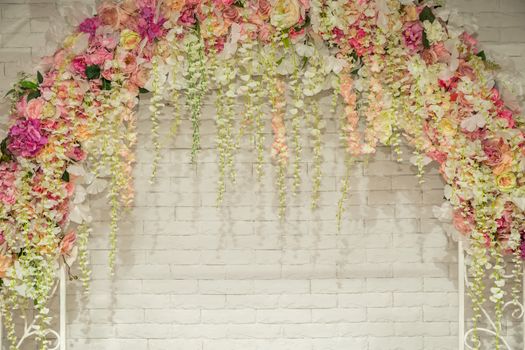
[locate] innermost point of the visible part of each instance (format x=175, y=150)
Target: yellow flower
x=411, y=13
x=506, y=182
x=446, y=126
x=129, y=39
x=285, y=13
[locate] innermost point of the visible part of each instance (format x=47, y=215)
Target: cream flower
x=285, y=13
x=434, y=31
x=129, y=39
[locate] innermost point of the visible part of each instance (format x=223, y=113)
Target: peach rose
x=110, y=14
x=506, y=182
x=5, y=264
x=139, y=77
x=175, y=5
x=463, y=224
x=128, y=63
x=34, y=108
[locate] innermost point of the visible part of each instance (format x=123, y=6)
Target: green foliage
x=427, y=15
x=93, y=72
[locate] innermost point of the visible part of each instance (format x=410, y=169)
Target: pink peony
x=413, y=36
x=7, y=183
x=90, y=25
x=26, y=138
x=187, y=17
x=34, y=108
x=150, y=27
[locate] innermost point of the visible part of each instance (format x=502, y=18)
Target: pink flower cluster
x=8, y=173
x=26, y=138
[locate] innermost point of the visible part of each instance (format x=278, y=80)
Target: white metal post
x=461, y=296
x=62, y=333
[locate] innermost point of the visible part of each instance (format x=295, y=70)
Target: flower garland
x=403, y=69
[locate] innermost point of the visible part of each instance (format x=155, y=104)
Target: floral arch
x=401, y=69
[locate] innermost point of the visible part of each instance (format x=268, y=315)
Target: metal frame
x=463, y=281
x=29, y=328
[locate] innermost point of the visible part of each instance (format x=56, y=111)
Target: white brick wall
x=192, y=277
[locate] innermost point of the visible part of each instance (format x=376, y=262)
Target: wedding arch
x=403, y=70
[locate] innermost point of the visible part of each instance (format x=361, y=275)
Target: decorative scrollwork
x=518, y=314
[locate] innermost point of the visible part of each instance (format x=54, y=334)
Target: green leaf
x=482, y=55
x=6, y=155
x=10, y=92
x=93, y=72
x=143, y=91
x=426, y=43
x=427, y=15
x=39, y=77
x=33, y=94
x=287, y=42
x=106, y=84
x=28, y=85
x=65, y=176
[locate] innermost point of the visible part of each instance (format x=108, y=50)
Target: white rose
x=285, y=13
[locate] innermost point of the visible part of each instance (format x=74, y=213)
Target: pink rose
x=21, y=107
x=264, y=8
x=76, y=153
x=139, y=77
x=508, y=116
x=441, y=53
x=504, y=225
x=99, y=56
x=26, y=138
x=465, y=70
x=230, y=13
x=187, y=17
x=498, y=153
x=469, y=41
x=34, y=108
x=413, y=36
x=78, y=65
x=7, y=183
x=463, y=224
x=128, y=63
x=265, y=32
x=438, y=156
